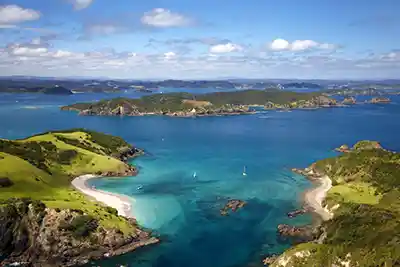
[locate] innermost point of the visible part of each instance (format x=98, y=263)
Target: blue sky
x=333, y=39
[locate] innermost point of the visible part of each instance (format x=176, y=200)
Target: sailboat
x=244, y=171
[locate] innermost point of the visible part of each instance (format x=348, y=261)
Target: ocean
x=183, y=209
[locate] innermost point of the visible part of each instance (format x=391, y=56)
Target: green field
x=41, y=167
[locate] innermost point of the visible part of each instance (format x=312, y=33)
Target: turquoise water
x=185, y=210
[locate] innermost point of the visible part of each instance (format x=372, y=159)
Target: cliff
x=42, y=219
x=365, y=200
x=220, y=103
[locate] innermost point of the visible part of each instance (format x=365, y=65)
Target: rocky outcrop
x=349, y=101
x=270, y=259
x=324, y=101
x=129, y=153
x=343, y=149
x=233, y=205
x=31, y=233
x=300, y=234
x=128, y=171
x=378, y=100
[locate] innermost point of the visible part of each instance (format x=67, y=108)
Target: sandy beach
x=119, y=202
x=316, y=196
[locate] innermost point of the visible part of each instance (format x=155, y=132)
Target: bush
x=80, y=226
x=66, y=156
x=112, y=211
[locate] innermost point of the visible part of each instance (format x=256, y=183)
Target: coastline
x=119, y=202
x=314, y=197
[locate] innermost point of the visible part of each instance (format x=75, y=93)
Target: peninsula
x=44, y=220
x=361, y=211
x=211, y=104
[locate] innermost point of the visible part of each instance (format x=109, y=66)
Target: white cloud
x=298, y=45
x=81, y=4
x=169, y=55
x=164, y=18
x=225, y=48
x=13, y=14
x=29, y=51
x=301, y=45
x=279, y=45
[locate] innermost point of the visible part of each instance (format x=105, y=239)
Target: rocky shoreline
x=46, y=237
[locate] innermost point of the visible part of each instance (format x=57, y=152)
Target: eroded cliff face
x=34, y=235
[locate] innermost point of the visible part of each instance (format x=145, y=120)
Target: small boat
x=194, y=175
x=139, y=187
x=244, y=171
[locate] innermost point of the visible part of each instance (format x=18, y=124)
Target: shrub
x=80, y=226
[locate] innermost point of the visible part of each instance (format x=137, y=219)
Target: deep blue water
x=184, y=210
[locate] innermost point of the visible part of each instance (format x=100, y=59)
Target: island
x=46, y=221
x=211, y=104
x=358, y=199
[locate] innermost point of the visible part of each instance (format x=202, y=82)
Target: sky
x=207, y=39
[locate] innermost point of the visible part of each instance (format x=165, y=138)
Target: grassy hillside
x=365, y=230
x=41, y=167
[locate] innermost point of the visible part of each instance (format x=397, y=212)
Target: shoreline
x=314, y=197
x=119, y=202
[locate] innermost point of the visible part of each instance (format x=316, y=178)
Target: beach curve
x=119, y=202
x=316, y=196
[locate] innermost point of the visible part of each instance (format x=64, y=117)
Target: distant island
x=361, y=211
x=46, y=222
x=52, y=90
x=220, y=103
x=211, y=104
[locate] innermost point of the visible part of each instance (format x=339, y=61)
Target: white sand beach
x=316, y=196
x=119, y=202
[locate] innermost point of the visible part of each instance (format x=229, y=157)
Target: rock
x=377, y=100
x=343, y=149
x=295, y=213
x=349, y=101
x=5, y=182
x=303, y=233
x=233, y=205
x=270, y=259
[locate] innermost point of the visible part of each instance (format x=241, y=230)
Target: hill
x=365, y=200
x=35, y=177
x=219, y=103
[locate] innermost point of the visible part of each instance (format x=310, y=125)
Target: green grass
x=354, y=192
x=37, y=172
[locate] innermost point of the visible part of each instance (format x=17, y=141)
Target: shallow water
x=185, y=210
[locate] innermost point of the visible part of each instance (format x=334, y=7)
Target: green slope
x=365, y=230
x=41, y=167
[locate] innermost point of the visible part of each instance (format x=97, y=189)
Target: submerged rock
x=295, y=213
x=234, y=205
